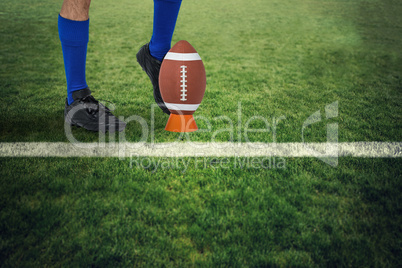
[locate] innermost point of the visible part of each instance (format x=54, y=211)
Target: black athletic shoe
x=90, y=114
x=152, y=67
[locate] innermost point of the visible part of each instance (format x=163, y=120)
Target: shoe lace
x=92, y=105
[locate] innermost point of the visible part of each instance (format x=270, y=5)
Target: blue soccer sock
x=74, y=42
x=165, y=16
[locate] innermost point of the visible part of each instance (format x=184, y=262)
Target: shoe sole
x=121, y=127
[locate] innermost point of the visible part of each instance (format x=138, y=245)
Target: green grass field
x=274, y=59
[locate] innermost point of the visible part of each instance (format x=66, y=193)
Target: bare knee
x=75, y=9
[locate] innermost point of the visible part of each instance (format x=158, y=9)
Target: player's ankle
x=158, y=51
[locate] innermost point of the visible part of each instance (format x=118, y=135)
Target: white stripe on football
x=182, y=56
x=181, y=107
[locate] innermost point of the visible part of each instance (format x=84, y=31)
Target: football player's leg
x=73, y=27
x=165, y=16
x=81, y=108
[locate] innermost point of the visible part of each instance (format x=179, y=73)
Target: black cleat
x=88, y=113
x=152, y=67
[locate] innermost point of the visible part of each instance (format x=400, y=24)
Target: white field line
x=193, y=149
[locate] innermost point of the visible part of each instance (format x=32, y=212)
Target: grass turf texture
x=117, y=215
x=278, y=58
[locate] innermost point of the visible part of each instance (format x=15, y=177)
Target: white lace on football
x=183, y=82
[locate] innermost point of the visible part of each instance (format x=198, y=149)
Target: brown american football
x=182, y=79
